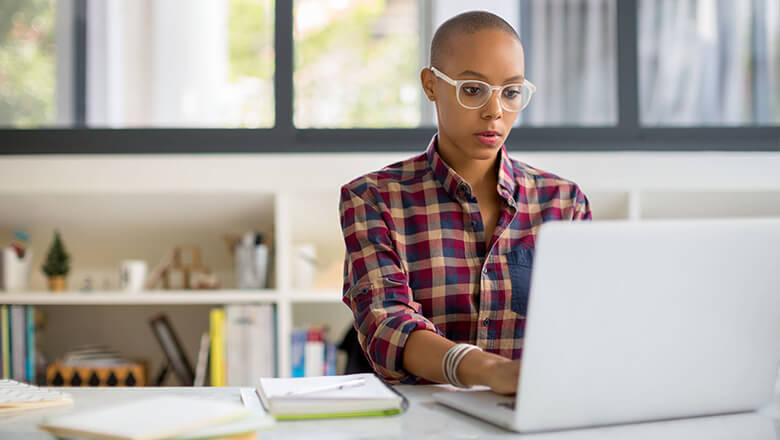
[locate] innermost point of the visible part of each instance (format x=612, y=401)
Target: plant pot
x=57, y=283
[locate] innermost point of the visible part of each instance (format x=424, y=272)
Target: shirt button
x=473, y=224
x=486, y=322
x=484, y=271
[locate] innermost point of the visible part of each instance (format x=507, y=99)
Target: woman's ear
x=428, y=81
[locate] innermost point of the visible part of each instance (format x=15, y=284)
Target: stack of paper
x=353, y=395
x=17, y=396
x=158, y=418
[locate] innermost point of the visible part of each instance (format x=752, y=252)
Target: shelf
x=315, y=296
x=142, y=298
x=182, y=297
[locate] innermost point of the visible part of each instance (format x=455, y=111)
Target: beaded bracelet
x=451, y=361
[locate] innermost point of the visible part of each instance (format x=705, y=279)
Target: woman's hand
x=497, y=372
x=502, y=376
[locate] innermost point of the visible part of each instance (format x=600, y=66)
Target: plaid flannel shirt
x=416, y=256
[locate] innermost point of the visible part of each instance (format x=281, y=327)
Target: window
x=571, y=57
x=27, y=63
x=180, y=63
x=181, y=76
x=357, y=62
x=173, y=63
x=708, y=62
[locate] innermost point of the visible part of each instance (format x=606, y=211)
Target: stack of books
x=242, y=344
x=17, y=343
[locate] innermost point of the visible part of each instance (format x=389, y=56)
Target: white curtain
x=158, y=64
x=572, y=61
x=709, y=62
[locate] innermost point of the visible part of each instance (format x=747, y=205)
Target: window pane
x=27, y=63
x=172, y=63
x=356, y=63
x=709, y=62
x=571, y=57
x=180, y=63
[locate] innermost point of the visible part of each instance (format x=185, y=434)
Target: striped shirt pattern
x=416, y=257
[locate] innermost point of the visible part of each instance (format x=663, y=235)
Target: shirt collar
x=456, y=186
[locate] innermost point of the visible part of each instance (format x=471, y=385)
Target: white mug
x=132, y=275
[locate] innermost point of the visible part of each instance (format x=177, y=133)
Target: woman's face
x=493, y=56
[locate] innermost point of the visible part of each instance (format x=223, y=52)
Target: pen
x=333, y=386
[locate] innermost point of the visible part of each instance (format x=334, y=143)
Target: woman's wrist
x=476, y=366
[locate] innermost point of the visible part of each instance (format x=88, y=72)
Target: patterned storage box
x=125, y=375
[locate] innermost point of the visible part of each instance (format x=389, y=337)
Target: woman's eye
x=472, y=90
x=511, y=93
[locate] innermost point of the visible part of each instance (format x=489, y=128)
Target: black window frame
x=284, y=137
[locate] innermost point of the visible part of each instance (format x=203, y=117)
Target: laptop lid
x=634, y=321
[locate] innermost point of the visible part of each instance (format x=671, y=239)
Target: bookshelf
x=120, y=207
x=169, y=297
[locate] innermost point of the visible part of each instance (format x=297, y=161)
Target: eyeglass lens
x=476, y=94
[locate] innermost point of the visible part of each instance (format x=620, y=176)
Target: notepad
x=373, y=398
x=155, y=418
x=18, y=396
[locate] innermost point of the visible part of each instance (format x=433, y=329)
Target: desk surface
x=424, y=419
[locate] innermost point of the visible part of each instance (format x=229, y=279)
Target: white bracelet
x=451, y=361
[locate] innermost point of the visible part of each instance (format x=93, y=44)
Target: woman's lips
x=488, y=138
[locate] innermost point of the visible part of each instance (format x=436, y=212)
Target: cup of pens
x=15, y=263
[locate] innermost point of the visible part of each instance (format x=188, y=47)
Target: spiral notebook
x=324, y=397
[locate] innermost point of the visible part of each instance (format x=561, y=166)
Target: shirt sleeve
x=376, y=287
x=581, y=205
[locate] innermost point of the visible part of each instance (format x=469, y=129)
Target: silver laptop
x=639, y=321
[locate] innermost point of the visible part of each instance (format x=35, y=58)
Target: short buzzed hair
x=467, y=22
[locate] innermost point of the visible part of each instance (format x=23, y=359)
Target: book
x=217, y=337
x=203, y=360
x=5, y=344
x=297, y=346
x=18, y=343
x=249, y=343
x=299, y=398
x=30, y=321
x=157, y=418
x=177, y=358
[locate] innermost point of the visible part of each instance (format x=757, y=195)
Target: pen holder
x=14, y=271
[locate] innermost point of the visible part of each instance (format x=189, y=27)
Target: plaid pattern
x=416, y=256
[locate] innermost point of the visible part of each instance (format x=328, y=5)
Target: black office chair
x=356, y=359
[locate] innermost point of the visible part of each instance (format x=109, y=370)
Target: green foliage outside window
x=27, y=63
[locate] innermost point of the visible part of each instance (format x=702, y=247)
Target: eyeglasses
x=473, y=94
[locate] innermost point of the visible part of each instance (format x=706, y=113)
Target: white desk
x=424, y=419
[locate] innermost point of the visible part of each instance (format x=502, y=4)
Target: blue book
x=330, y=359
x=30, y=344
x=297, y=345
x=276, y=342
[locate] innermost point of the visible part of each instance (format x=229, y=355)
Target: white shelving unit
x=119, y=207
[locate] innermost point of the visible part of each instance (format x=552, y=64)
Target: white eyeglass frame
x=458, y=83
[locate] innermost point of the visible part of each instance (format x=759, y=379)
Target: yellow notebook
x=217, y=335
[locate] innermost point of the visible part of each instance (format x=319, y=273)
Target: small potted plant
x=57, y=264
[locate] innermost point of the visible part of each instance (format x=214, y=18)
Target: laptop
x=641, y=321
